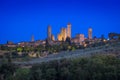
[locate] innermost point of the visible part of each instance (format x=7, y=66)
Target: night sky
x=19, y=19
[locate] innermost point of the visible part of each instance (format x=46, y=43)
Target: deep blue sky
x=19, y=19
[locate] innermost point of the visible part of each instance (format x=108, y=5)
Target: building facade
x=59, y=37
x=53, y=38
x=79, y=39
x=90, y=33
x=64, y=34
x=69, y=30
x=49, y=34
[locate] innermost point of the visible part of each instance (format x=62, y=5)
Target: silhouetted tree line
x=7, y=71
x=114, y=36
x=88, y=68
x=94, y=68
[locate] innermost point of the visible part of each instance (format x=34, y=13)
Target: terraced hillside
x=113, y=49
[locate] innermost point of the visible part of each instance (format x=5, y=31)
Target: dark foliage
x=7, y=70
x=94, y=68
x=100, y=67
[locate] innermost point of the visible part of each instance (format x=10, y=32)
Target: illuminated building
x=59, y=37
x=53, y=38
x=49, y=35
x=90, y=33
x=69, y=30
x=62, y=35
x=65, y=32
x=10, y=44
x=79, y=39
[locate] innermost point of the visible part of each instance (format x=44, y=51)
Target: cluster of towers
x=65, y=32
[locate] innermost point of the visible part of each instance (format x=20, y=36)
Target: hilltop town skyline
x=59, y=39
x=63, y=33
x=60, y=30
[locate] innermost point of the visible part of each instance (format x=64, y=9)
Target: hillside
x=113, y=49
